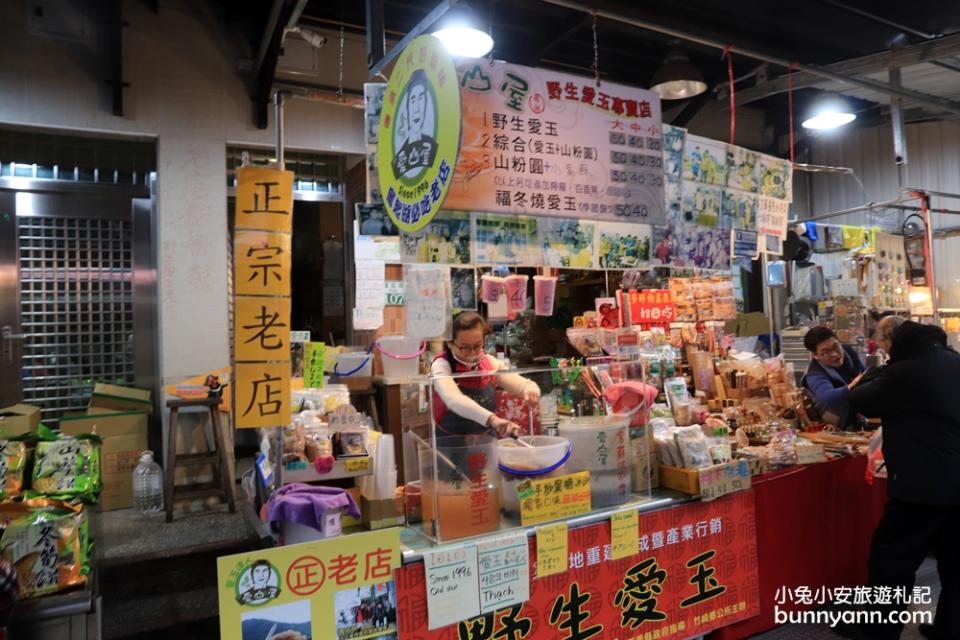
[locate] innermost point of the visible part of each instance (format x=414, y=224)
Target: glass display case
x=488, y=451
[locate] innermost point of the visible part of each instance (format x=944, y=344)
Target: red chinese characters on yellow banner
x=695, y=570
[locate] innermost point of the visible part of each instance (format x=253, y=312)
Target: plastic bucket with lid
x=601, y=445
x=517, y=463
x=353, y=364
x=400, y=355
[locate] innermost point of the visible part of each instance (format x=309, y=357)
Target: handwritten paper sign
x=367, y=319
x=772, y=217
x=314, y=355
x=721, y=479
x=386, y=248
x=554, y=498
x=427, y=290
x=651, y=306
x=810, y=453
x=552, y=549
x=452, y=588
x=504, y=571
x=371, y=290
x=623, y=533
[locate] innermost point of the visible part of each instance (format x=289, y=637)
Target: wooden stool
x=218, y=456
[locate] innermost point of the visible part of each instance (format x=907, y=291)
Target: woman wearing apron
x=465, y=406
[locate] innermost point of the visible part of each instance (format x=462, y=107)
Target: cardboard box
x=120, y=416
x=18, y=420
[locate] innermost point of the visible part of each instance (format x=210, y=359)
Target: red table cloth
x=814, y=525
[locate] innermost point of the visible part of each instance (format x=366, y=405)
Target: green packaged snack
x=13, y=462
x=67, y=467
x=47, y=542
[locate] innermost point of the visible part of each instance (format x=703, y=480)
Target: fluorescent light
x=465, y=42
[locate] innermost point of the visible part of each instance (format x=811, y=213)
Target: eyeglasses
x=472, y=348
x=834, y=350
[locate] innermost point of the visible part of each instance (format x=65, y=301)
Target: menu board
x=550, y=144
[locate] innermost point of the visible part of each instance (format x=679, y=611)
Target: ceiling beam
x=815, y=70
x=571, y=30
x=905, y=56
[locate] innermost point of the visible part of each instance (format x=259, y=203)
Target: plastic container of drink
x=601, y=445
x=546, y=459
x=400, y=355
x=491, y=288
x=461, y=490
x=148, y=485
x=517, y=292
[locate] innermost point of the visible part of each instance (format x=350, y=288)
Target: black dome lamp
x=677, y=78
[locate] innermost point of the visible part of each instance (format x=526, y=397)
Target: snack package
x=693, y=447
x=67, y=468
x=13, y=462
x=47, y=542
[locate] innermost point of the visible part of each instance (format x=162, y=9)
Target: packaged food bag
x=66, y=467
x=13, y=463
x=47, y=542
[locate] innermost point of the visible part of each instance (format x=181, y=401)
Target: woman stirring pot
x=466, y=406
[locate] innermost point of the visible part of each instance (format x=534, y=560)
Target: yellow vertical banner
x=264, y=199
x=262, y=260
x=261, y=329
x=262, y=394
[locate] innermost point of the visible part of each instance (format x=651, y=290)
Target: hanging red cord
x=733, y=101
x=790, y=106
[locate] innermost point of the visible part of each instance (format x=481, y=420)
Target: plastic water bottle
x=148, y=485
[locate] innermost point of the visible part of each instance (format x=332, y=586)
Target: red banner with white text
x=695, y=571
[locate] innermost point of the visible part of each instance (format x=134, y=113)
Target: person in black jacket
x=917, y=397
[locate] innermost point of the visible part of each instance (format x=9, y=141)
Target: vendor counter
x=800, y=526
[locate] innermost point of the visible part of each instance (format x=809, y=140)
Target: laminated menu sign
x=550, y=144
x=452, y=587
x=371, y=287
x=744, y=243
x=554, y=498
x=504, y=571
x=427, y=291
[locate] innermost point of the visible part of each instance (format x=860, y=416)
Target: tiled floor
x=926, y=576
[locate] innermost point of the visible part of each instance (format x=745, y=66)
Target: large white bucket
x=400, y=356
x=601, y=445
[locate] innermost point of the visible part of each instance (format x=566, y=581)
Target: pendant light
x=677, y=78
x=829, y=113
x=462, y=34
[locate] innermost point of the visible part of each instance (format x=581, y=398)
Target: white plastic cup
x=517, y=292
x=491, y=288
x=544, y=292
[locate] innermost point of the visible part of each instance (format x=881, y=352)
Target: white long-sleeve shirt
x=463, y=406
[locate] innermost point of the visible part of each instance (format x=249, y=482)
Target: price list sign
x=550, y=144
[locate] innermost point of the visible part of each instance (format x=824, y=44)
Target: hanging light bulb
x=461, y=33
x=677, y=78
x=829, y=114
